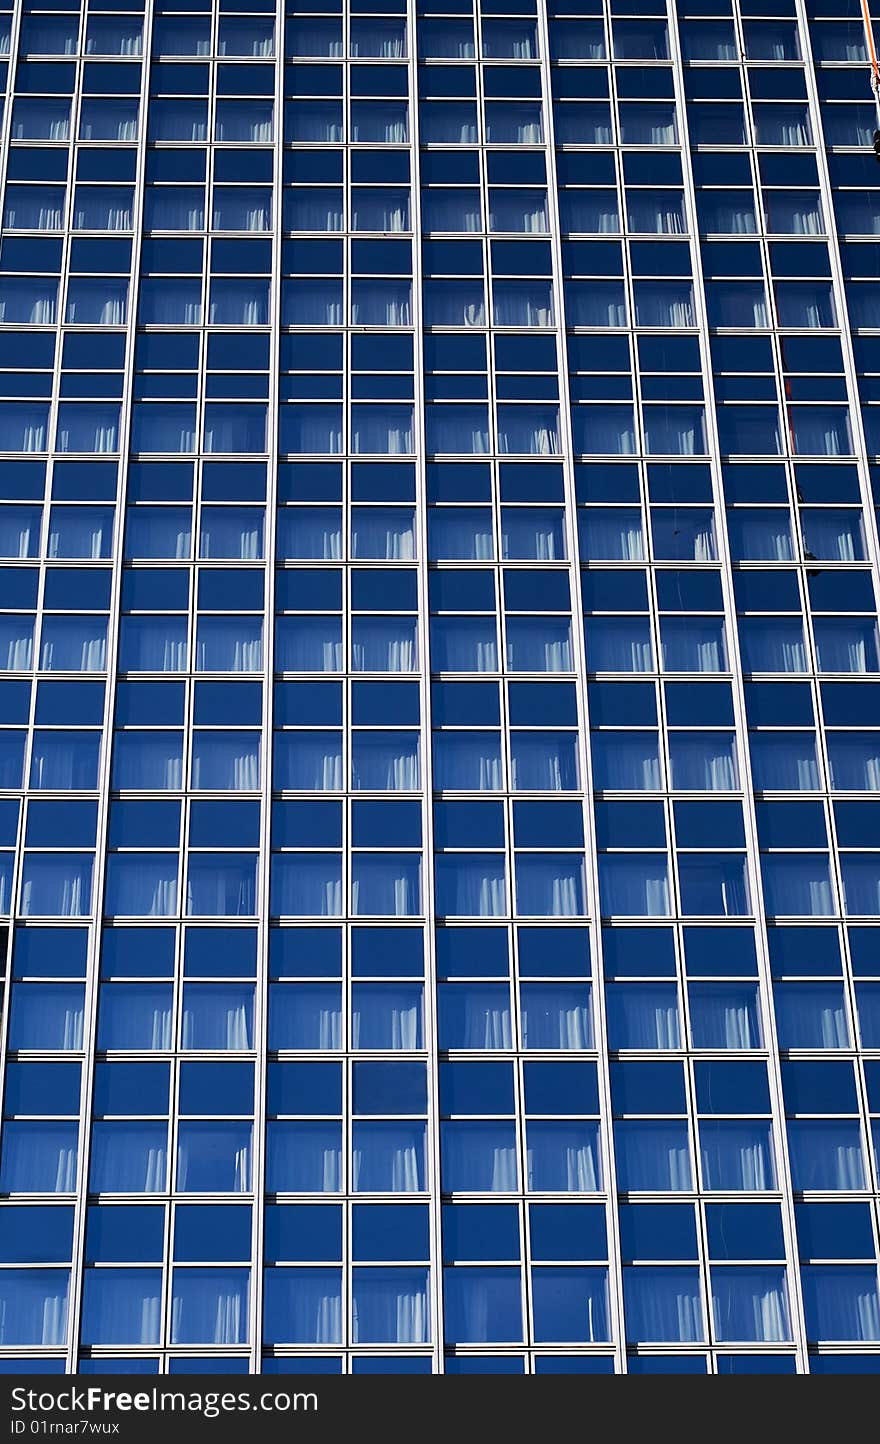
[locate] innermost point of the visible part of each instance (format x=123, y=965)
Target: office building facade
x=440, y=711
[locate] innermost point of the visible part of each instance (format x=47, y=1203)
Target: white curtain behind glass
x=33, y=1306
x=826, y=1154
x=390, y=1306
x=39, y=1157
x=475, y=1015
x=479, y=1157
x=562, y=1157
x=304, y=1157
x=555, y=1016
x=643, y=1016
x=543, y=761
x=217, y=1016
x=703, y=762
x=841, y=1302
x=209, y=1306
x=16, y=643
x=736, y=1156
x=130, y=1157
x=386, y=1015
x=227, y=761
x=724, y=1016
x=388, y=1158
x=310, y=761
x=663, y=1305
x=653, y=1156
x=45, y=1015
x=627, y=760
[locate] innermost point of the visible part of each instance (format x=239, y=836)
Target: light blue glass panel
x=736, y=1156
x=214, y=1157
x=389, y=884
x=562, y=1157
x=141, y=885
x=855, y=761
x=390, y=1306
x=38, y=1157
x=539, y=644
x=543, y=761
x=716, y=886
x=619, y=644
x=153, y=644
x=149, y=760
x=692, y=644
x=56, y=885
x=135, y=1015
x=309, y=533
x=12, y=759
x=219, y=1016
x=663, y=1305
x=73, y=644
x=312, y=762
x=724, y=1015
x=653, y=1156
x=482, y=1305
x=304, y=1157
x=811, y=1015
x=307, y=884
x=786, y=760
x=826, y=1154
x=384, y=644
x=122, y=1306
x=308, y=644
x=470, y=884
x=550, y=885
x=642, y=1015
x=33, y=1306
x=210, y=1306
x=798, y=884
x=302, y=1306
x=305, y=1015
x=841, y=1302
x=82, y=531
x=629, y=761
x=20, y=531
x=388, y=1157
x=130, y=1157
x=611, y=534
x=703, y=762
x=635, y=885
x=221, y=884
x=463, y=644
x=474, y=1015
x=226, y=761
x=571, y=1305
x=750, y=1305
x=555, y=1015
x=387, y=1015
x=229, y=644
x=458, y=534
x=478, y=1157
x=46, y=1016
x=471, y=761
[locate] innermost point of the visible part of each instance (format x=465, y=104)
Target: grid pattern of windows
x=439, y=687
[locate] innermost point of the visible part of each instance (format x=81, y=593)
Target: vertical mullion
x=104, y=777
x=606, y=1140
x=261, y=1009
x=18, y=857
x=765, y=989
x=427, y=779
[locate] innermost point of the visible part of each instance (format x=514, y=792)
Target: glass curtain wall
x=439, y=711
